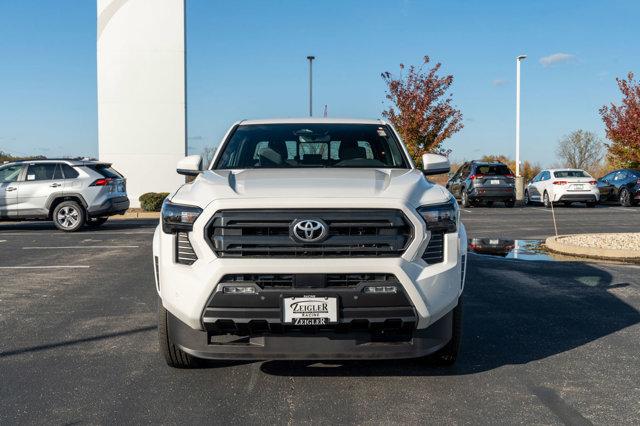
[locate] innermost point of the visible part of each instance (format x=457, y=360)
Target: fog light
x=381, y=289
x=238, y=289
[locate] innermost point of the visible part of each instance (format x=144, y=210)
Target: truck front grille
x=287, y=281
x=351, y=233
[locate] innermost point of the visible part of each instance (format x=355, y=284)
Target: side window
x=57, y=173
x=464, y=171
x=40, y=171
x=10, y=173
x=609, y=177
x=545, y=176
x=68, y=172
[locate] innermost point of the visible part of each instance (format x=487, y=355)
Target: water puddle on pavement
x=512, y=249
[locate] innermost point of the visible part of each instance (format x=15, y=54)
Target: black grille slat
x=268, y=281
x=184, y=251
x=434, y=253
x=351, y=233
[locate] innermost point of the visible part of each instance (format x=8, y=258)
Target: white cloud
x=499, y=82
x=556, y=58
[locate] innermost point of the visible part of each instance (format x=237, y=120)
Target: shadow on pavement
x=515, y=312
x=110, y=225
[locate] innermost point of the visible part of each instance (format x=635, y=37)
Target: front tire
x=448, y=354
x=526, y=201
x=545, y=200
x=173, y=355
x=68, y=216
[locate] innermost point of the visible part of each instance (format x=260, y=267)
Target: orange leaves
x=421, y=110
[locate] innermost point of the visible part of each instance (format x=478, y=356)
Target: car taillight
x=509, y=176
x=101, y=182
x=472, y=177
x=560, y=182
x=593, y=182
x=638, y=181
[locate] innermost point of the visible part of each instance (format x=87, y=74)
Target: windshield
x=311, y=145
x=570, y=173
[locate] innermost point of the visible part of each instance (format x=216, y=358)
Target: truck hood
x=407, y=185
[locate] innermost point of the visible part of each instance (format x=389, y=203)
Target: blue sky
x=246, y=59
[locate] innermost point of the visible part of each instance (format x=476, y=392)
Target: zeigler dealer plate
x=310, y=310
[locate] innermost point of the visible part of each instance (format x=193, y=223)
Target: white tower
x=141, y=91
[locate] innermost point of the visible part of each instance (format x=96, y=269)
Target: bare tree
x=207, y=155
x=581, y=149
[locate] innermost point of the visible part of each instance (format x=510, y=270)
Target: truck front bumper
x=304, y=346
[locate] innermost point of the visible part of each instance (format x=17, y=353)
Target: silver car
x=71, y=193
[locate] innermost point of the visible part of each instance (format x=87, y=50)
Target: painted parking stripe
x=78, y=247
x=124, y=232
x=47, y=267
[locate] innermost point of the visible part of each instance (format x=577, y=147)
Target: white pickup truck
x=310, y=239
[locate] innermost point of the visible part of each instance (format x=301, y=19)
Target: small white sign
x=310, y=310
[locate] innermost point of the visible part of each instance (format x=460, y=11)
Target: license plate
x=495, y=182
x=578, y=186
x=494, y=242
x=310, y=310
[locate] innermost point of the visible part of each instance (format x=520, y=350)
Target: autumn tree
x=581, y=149
x=421, y=110
x=623, y=124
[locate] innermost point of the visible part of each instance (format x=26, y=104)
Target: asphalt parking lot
x=544, y=342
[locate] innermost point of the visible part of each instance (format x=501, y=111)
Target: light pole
x=311, y=58
x=519, y=179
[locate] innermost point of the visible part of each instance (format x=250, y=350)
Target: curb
x=554, y=244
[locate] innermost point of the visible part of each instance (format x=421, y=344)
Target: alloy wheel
x=68, y=217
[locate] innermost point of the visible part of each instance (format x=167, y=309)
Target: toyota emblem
x=309, y=230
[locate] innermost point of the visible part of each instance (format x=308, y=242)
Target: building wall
x=141, y=91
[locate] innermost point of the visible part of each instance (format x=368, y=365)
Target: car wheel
x=94, y=222
x=68, y=216
x=625, y=198
x=464, y=199
x=591, y=204
x=173, y=355
x=526, y=200
x=509, y=203
x=545, y=200
x=448, y=354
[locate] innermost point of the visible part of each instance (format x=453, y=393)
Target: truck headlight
x=441, y=217
x=178, y=217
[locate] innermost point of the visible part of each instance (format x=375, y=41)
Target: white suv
x=71, y=193
x=310, y=239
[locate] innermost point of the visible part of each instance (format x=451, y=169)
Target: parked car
x=70, y=193
x=310, y=239
x=621, y=186
x=564, y=186
x=483, y=182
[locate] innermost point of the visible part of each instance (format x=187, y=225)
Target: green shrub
x=152, y=201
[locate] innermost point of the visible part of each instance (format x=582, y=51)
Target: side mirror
x=434, y=164
x=190, y=165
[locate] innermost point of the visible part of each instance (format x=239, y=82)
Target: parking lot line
x=124, y=232
x=77, y=247
x=47, y=267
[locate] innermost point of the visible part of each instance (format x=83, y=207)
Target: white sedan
x=562, y=185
